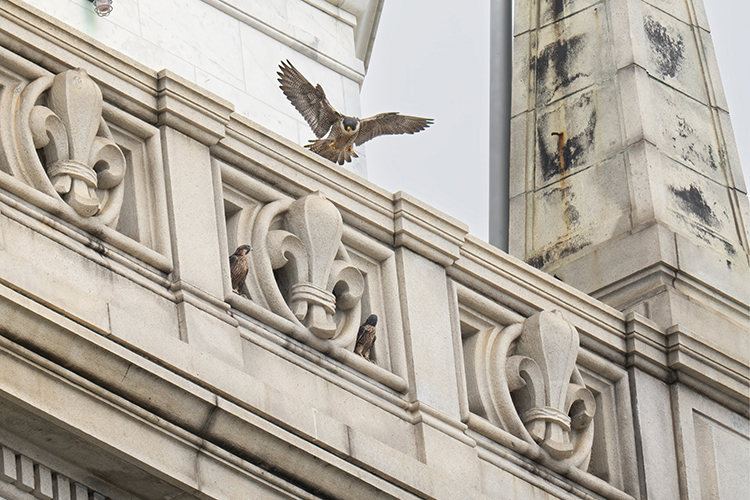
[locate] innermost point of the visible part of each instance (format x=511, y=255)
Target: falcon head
x=242, y=250
x=350, y=124
x=372, y=320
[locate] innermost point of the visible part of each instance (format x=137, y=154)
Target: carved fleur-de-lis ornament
x=62, y=117
x=523, y=378
x=302, y=269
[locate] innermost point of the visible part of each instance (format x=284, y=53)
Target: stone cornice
x=427, y=231
x=367, y=16
x=678, y=355
x=191, y=402
x=526, y=290
x=190, y=109
x=704, y=368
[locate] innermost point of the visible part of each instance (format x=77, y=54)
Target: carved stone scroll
x=523, y=378
x=302, y=270
x=63, y=146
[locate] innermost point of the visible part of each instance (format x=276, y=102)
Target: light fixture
x=102, y=7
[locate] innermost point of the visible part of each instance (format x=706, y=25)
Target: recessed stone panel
x=553, y=10
x=577, y=132
x=584, y=209
x=672, y=53
x=700, y=206
x=572, y=55
x=688, y=132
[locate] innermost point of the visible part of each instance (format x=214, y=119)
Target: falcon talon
x=344, y=132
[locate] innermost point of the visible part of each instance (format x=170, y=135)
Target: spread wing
x=390, y=123
x=310, y=101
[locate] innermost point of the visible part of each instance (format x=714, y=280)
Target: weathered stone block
x=43, y=482
x=701, y=207
x=572, y=54
x=672, y=53
x=576, y=132
x=427, y=327
x=565, y=218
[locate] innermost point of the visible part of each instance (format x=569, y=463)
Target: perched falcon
x=366, y=338
x=344, y=132
x=238, y=267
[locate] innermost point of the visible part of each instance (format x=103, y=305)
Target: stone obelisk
x=625, y=180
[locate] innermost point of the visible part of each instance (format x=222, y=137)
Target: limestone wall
x=233, y=47
x=130, y=369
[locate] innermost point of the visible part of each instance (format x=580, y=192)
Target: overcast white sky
x=432, y=59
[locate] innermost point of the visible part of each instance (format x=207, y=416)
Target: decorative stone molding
x=302, y=270
x=523, y=378
x=193, y=111
x=30, y=476
x=426, y=231
x=64, y=148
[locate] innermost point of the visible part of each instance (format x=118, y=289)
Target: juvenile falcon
x=238, y=267
x=344, y=132
x=366, y=338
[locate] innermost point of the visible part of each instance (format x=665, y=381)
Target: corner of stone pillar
x=192, y=120
x=194, y=111
x=426, y=231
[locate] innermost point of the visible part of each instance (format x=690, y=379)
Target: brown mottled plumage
x=345, y=131
x=366, y=337
x=238, y=266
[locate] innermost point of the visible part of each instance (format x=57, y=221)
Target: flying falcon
x=344, y=132
x=366, y=338
x=238, y=267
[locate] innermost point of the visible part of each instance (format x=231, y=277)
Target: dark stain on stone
x=571, y=214
x=668, y=49
x=729, y=264
x=711, y=160
x=557, y=159
x=691, y=155
x=729, y=249
x=712, y=239
x=692, y=200
x=554, y=63
x=557, y=252
x=683, y=129
x=557, y=8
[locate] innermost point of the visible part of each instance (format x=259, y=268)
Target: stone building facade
x=131, y=370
